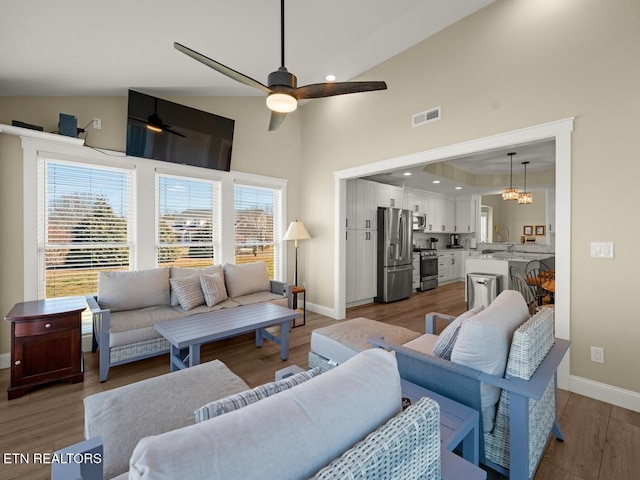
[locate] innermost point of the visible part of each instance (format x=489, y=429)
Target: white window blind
x=187, y=221
x=86, y=217
x=257, y=227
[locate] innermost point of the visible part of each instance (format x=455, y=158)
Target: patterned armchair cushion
x=530, y=345
x=406, y=444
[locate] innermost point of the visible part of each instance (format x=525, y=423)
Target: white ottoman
x=335, y=344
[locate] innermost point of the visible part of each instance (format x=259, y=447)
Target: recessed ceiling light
x=330, y=78
x=458, y=188
x=407, y=174
x=436, y=181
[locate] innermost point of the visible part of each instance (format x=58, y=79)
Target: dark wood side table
x=295, y=290
x=46, y=343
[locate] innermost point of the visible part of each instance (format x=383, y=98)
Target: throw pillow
x=177, y=272
x=242, y=399
x=213, y=289
x=188, y=291
x=447, y=338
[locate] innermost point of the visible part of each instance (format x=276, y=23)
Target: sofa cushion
x=447, y=338
x=290, y=435
x=242, y=399
x=124, y=415
x=189, y=291
x=483, y=344
x=246, y=278
x=259, y=297
x=133, y=326
x=177, y=272
x=213, y=289
x=424, y=343
x=133, y=289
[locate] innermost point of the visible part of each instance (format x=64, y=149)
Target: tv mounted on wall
x=170, y=132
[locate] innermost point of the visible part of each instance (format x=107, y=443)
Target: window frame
x=70, y=149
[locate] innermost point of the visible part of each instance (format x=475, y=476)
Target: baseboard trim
x=5, y=360
x=607, y=393
x=322, y=310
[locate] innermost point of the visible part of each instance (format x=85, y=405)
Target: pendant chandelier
x=525, y=197
x=510, y=193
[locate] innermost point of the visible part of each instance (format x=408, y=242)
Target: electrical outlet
x=597, y=354
x=97, y=124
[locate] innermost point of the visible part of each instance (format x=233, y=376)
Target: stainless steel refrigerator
x=395, y=254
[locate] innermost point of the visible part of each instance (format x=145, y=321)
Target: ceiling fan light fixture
x=281, y=103
x=153, y=128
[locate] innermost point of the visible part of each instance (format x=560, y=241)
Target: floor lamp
x=295, y=232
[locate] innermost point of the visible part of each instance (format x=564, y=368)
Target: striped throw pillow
x=213, y=288
x=447, y=339
x=188, y=291
x=242, y=399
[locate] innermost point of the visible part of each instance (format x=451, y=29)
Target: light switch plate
x=601, y=249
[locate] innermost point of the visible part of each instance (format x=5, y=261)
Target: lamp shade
x=296, y=231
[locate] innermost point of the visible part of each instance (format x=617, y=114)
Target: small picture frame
x=539, y=229
x=527, y=230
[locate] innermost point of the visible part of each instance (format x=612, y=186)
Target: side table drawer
x=45, y=325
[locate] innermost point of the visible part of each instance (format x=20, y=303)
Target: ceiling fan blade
x=276, y=120
x=223, y=69
x=330, y=89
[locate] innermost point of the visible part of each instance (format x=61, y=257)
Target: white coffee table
x=186, y=335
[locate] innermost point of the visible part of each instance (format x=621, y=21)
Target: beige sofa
x=129, y=304
x=346, y=423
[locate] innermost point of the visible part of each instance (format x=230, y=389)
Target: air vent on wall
x=425, y=117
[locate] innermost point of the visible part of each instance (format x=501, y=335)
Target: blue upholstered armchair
x=526, y=411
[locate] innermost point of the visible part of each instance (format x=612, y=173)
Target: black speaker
x=68, y=125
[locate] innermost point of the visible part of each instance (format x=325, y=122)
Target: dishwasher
x=482, y=289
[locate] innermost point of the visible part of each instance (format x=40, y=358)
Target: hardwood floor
x=601, y=440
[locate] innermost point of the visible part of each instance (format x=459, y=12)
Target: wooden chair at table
x=538, y=273
x=519, y=283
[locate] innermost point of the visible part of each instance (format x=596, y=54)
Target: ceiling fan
x=155, y=124
x=281, y=89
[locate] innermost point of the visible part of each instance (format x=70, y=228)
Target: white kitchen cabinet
x=416, y=271
x=466, y=216
x=434, y=215
x=390, y=196
x=416, y=201
x=361, y=265
x=362, y=205
x=450, y=266
x=448, y=216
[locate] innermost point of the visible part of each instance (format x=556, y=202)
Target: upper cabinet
x=390, y=196
x=362, y=204
x=416, y=201
x=466, y=216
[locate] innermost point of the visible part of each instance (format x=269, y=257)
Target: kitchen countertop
x=514, y=256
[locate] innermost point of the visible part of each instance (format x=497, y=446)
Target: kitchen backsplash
x=420, y=239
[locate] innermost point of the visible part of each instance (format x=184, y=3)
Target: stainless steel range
x=428, y=269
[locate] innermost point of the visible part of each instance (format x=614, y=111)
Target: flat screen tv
x=170, y=132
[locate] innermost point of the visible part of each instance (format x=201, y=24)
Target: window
x=257, y=225
x=85, y=221
x=187, y=221
x=484, y=227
